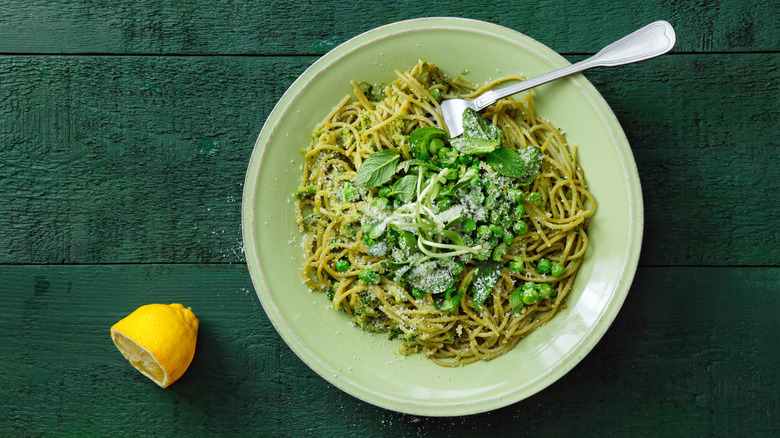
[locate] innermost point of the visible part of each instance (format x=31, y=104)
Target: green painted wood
x=704, y=136
x=291, y=27
x=693, y=352
x=117, y=159
x=122, y=164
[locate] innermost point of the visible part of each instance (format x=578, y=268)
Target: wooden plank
x=112, y=159
x=142, y=159
x=290, y=27
x=704, y=136
x=693, y=352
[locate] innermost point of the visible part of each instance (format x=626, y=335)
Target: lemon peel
x=158, y=340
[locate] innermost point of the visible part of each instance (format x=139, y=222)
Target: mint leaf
x=532, y=157
x=477, y=127
x=415, y=162
x=472, y=145
x=479, y=136
x=378, y=168
x=404, y=189
x=484, y=280
x=516, y=300
x=507, y=162
x=420, y=139
x=453, y=236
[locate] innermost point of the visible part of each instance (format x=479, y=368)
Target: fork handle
x=648, y=42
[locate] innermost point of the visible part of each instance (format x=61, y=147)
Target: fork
x=648, y=42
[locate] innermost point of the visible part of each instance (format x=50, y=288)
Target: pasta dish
x=459, y=247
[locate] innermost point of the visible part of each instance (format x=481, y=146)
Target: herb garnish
x=378, y=168
x=422, y=236
x=507, y=162
x=479, y=136
x=485, y=278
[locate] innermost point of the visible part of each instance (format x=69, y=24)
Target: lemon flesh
x=141, y=359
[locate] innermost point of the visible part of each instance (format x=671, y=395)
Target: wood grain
x=289, y=27
x=685, y=356
x=125, y=132
x=118, y=159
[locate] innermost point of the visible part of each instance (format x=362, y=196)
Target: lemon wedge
x=158, y=340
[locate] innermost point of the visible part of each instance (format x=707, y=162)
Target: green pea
x=384, y=192
x=506, y=221
x=520, y=228
x=508, y=237
x=500, y=250
x=516, y=265
x=545, y=290
x=491, y=243
x=465, y=159
x=534, y=198
x=368, y=276
x=495, y=217
x=491, y=203
x=514, y=196
x=530, y=294
x=342, y=265
x=520, y=211
x=557, y=269
x=483, y=232
x=497, y=231
x=435, y=94
x=434, y=145
x=448, y=157
x=451, y=174
x=543, y=266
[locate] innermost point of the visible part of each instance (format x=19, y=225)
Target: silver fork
x=648, y=42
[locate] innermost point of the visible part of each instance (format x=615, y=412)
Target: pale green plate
x=367, y=365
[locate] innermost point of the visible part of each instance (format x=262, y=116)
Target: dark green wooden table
x=125, y=131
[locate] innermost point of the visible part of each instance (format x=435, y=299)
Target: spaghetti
x=458, y=260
